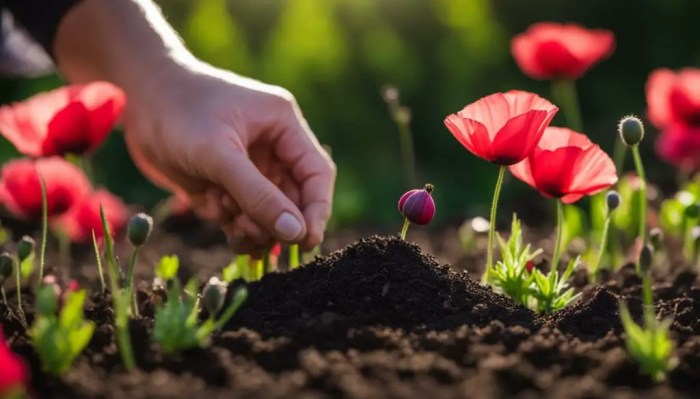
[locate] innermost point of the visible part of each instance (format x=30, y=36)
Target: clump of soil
x=381, y=319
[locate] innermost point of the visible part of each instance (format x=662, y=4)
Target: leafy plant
x=650, y=345
x=517, y=277
x=177, y=325
x=59, y=339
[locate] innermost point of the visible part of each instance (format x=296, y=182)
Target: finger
x=315, y=173
x=207, y=205
x=258, y=198
x=244, y=227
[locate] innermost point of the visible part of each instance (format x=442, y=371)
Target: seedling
x=550, y=291
x=417, y=206
x=612, y=202
x=294, y=256
x=60, y=338
x=25, y=255
x=649, y=344
x=176, y=321
x=7, y=262
x=120, y=299
x=631, y=132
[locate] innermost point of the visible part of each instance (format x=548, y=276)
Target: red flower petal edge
x=82, y=219
x=13, y=371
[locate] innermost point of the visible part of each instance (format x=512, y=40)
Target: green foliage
x=60, y=339
x=650, y=345
x=515, y=275
x=551, y=292
x=167, y=267
x=177, y=325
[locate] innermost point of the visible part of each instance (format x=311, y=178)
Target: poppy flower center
x=685, y=108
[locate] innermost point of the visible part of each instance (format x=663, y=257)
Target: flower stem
x=560, y=233
x=44, y=228
x=266, y=266
x=619, y=153
x=130, y=280
x=492, y=221
x=564, y=91
x=642, y=192
x=98, y=258
x=22, y=318
x=404, y=229
x=294, y=256
x=603, y=247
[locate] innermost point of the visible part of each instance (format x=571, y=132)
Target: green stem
x=99, y=262
x=294, y=256
x=44, y=229
x=492, y=221
x=642, y=192
x=560, y=229
x=63, y=248
x=648, y=301
x=130, y=280
x=238, y=299
x=266, y=266
x=22, y=318
x=602, y=249
x=407, y=152
x=404, y=229
x=564, y=91
x=619, y=154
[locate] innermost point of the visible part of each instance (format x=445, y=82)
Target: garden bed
x=381, y=318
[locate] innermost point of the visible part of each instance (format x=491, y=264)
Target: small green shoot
x=44, y=228
x=25, y=255
x=59, y=339
x=167, y=267
x=98, y=259
x=176, y=322
x=650, y=345
x=294, y=256
x=550, y=291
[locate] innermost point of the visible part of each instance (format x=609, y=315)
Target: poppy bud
x=390, y=94
x=612, y=200
x=6, y=265
x=47, y=298
x=25, y=248
x=213, y=295
x=418, y=206
x=139, y=229
x=692, y=211
x=646, y=256
x=631, y=130
x=656, y=237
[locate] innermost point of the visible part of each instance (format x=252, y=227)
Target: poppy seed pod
x=6, y=265
x=612, y=200
x=139, y=229
x=646, y=258
x=631, y=130
x=418, y=206
x=213, y=295
x=25, y=248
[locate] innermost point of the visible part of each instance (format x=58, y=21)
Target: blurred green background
x=334, y=55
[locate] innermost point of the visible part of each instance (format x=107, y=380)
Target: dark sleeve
x=40, y=18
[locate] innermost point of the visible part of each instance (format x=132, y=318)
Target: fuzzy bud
x=612, y=200
x=213, y=295
x=139, y=229
x=631, y=130
x=25, y=248
x=646, y=258
x=692, y=211
x=6, y=265
x=656, y=237
x=418, y=206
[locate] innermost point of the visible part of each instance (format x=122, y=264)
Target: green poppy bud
x=631, y=130
x=213, y=295
x=139, y=229
x=612, y=200
x=6, y=265
x=646, y=258
x=25, y=248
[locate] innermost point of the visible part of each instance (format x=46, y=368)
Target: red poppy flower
x=679, y=145
x=566, y=165
x=504, y=127
x=73, y=119
x=549, y=50
x=13, y=371
x=83, y=218
x=20, y=190
x=674, y=98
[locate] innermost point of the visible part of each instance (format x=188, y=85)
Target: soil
x=382, y=319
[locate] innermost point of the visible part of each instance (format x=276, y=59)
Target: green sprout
x=517, y=277
x=25, y=255
x=612, y=202
x=138, y=230
x=294, y=256
x=650, y=344
x=60, y=338
x=120, y=299
x=177, y=325
x=98, y=258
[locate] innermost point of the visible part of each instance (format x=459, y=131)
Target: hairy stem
x=492, y=221
x=560, y=233
x=130, y=280
x=404, y=229
x=643, y=194
x=603, y=247
x=44, y=228
x=98, y=258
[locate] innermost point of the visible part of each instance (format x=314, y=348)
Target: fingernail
x=287, y=226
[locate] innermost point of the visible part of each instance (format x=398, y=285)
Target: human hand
x=239, y=149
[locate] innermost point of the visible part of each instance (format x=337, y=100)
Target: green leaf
x=168, y=267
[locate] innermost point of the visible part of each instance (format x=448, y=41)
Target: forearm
x=121, y=41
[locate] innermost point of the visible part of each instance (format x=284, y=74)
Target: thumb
x=258, y=197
